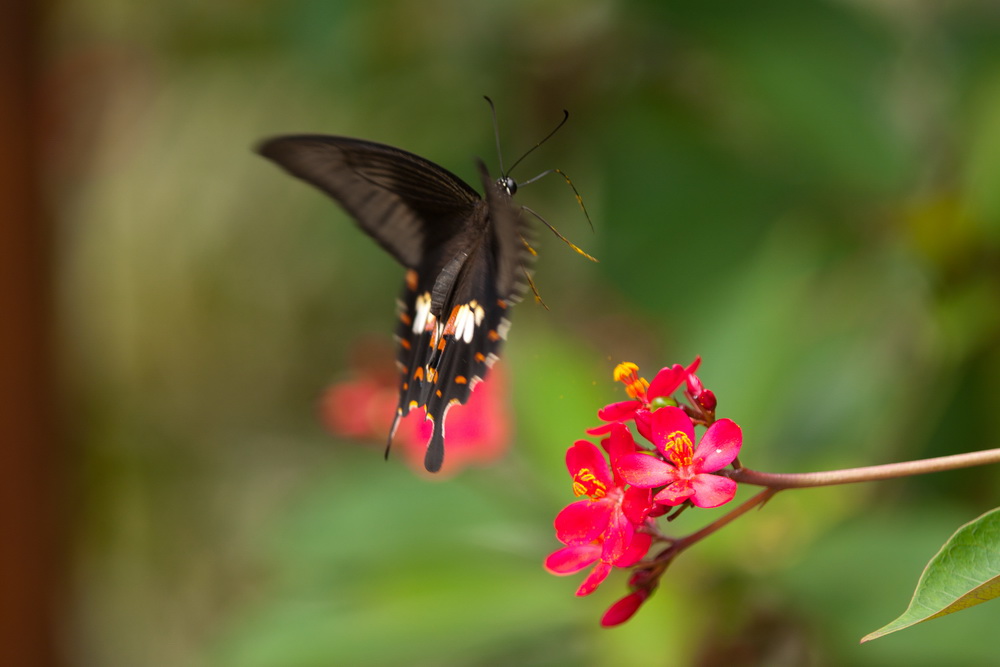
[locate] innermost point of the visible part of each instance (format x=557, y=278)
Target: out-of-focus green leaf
x=964, y=573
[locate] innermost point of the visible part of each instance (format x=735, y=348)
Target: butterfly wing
x=404, y=202
x=464, y=258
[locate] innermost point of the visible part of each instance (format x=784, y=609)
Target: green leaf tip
x=963, y=573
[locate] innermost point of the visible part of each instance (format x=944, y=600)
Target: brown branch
x=778, y=481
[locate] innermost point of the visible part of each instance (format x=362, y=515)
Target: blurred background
x=803, y=193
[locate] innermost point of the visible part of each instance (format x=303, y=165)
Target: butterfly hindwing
x=465, y=258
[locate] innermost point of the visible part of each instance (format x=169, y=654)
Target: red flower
x=602, y=528
x=645, y=395
x=685, y=471
x=572, y=526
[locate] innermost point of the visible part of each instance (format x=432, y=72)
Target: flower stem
x=775, y=482
x=721, y=522
x=778, y=481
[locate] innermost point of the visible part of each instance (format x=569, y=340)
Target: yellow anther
x=585, y=483
x=680, y=449
x=628, y=374
x=637, y=389
x=625, y=369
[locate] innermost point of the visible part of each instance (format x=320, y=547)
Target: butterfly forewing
x=406, y=203
x=465, y=260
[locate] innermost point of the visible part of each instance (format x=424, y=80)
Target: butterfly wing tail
x=434, y=457
x=392, y=433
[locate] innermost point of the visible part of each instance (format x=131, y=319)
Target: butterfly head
x=508, y=185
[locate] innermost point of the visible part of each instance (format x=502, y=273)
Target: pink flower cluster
x=627, y=484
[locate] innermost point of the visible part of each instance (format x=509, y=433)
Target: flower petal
x=636, y=551
x=645, y=471
x=585, y=457
x=583, y=521
x=693, y=383
x=719, y=446
x=637, y=504
x=594, y=579
x=712, y=490
x=621, y=442
x=675, y=493
x=666, y=382
x=624, y=609
x=572, y=559
x=667, y=424
x=599, y=430
x=616, y=412
x=643, y=424
x=617, y=537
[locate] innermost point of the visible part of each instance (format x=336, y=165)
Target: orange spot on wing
x=479, y=357
x=405, y=344
x=411, y=280
x=461, y=379
x=493, y=335
x=449, y=327
x=418, y=375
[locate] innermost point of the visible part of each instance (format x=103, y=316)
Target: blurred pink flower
x=478, y=433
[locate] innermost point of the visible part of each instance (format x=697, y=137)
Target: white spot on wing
x=503, y=328
x=465, y=324
x=423, y=308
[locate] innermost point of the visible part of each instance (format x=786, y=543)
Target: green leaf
x=965, y=572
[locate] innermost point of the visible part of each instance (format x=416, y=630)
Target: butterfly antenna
x=496, y=131
x=563, y=238
x=576, y=193
x=547, y=137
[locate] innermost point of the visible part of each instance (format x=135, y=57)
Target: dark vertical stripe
x=30, y=535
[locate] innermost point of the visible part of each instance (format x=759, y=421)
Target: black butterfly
x=466, y=260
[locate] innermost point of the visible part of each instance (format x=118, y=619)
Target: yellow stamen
x=628, y=374
x=680, y=449
x=586, y=484
x=624, y=369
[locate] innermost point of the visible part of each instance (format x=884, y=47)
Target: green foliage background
x=804, y=193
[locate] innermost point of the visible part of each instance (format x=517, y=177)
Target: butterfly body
x=464, y=256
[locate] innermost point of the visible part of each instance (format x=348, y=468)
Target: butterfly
x=466, y=257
